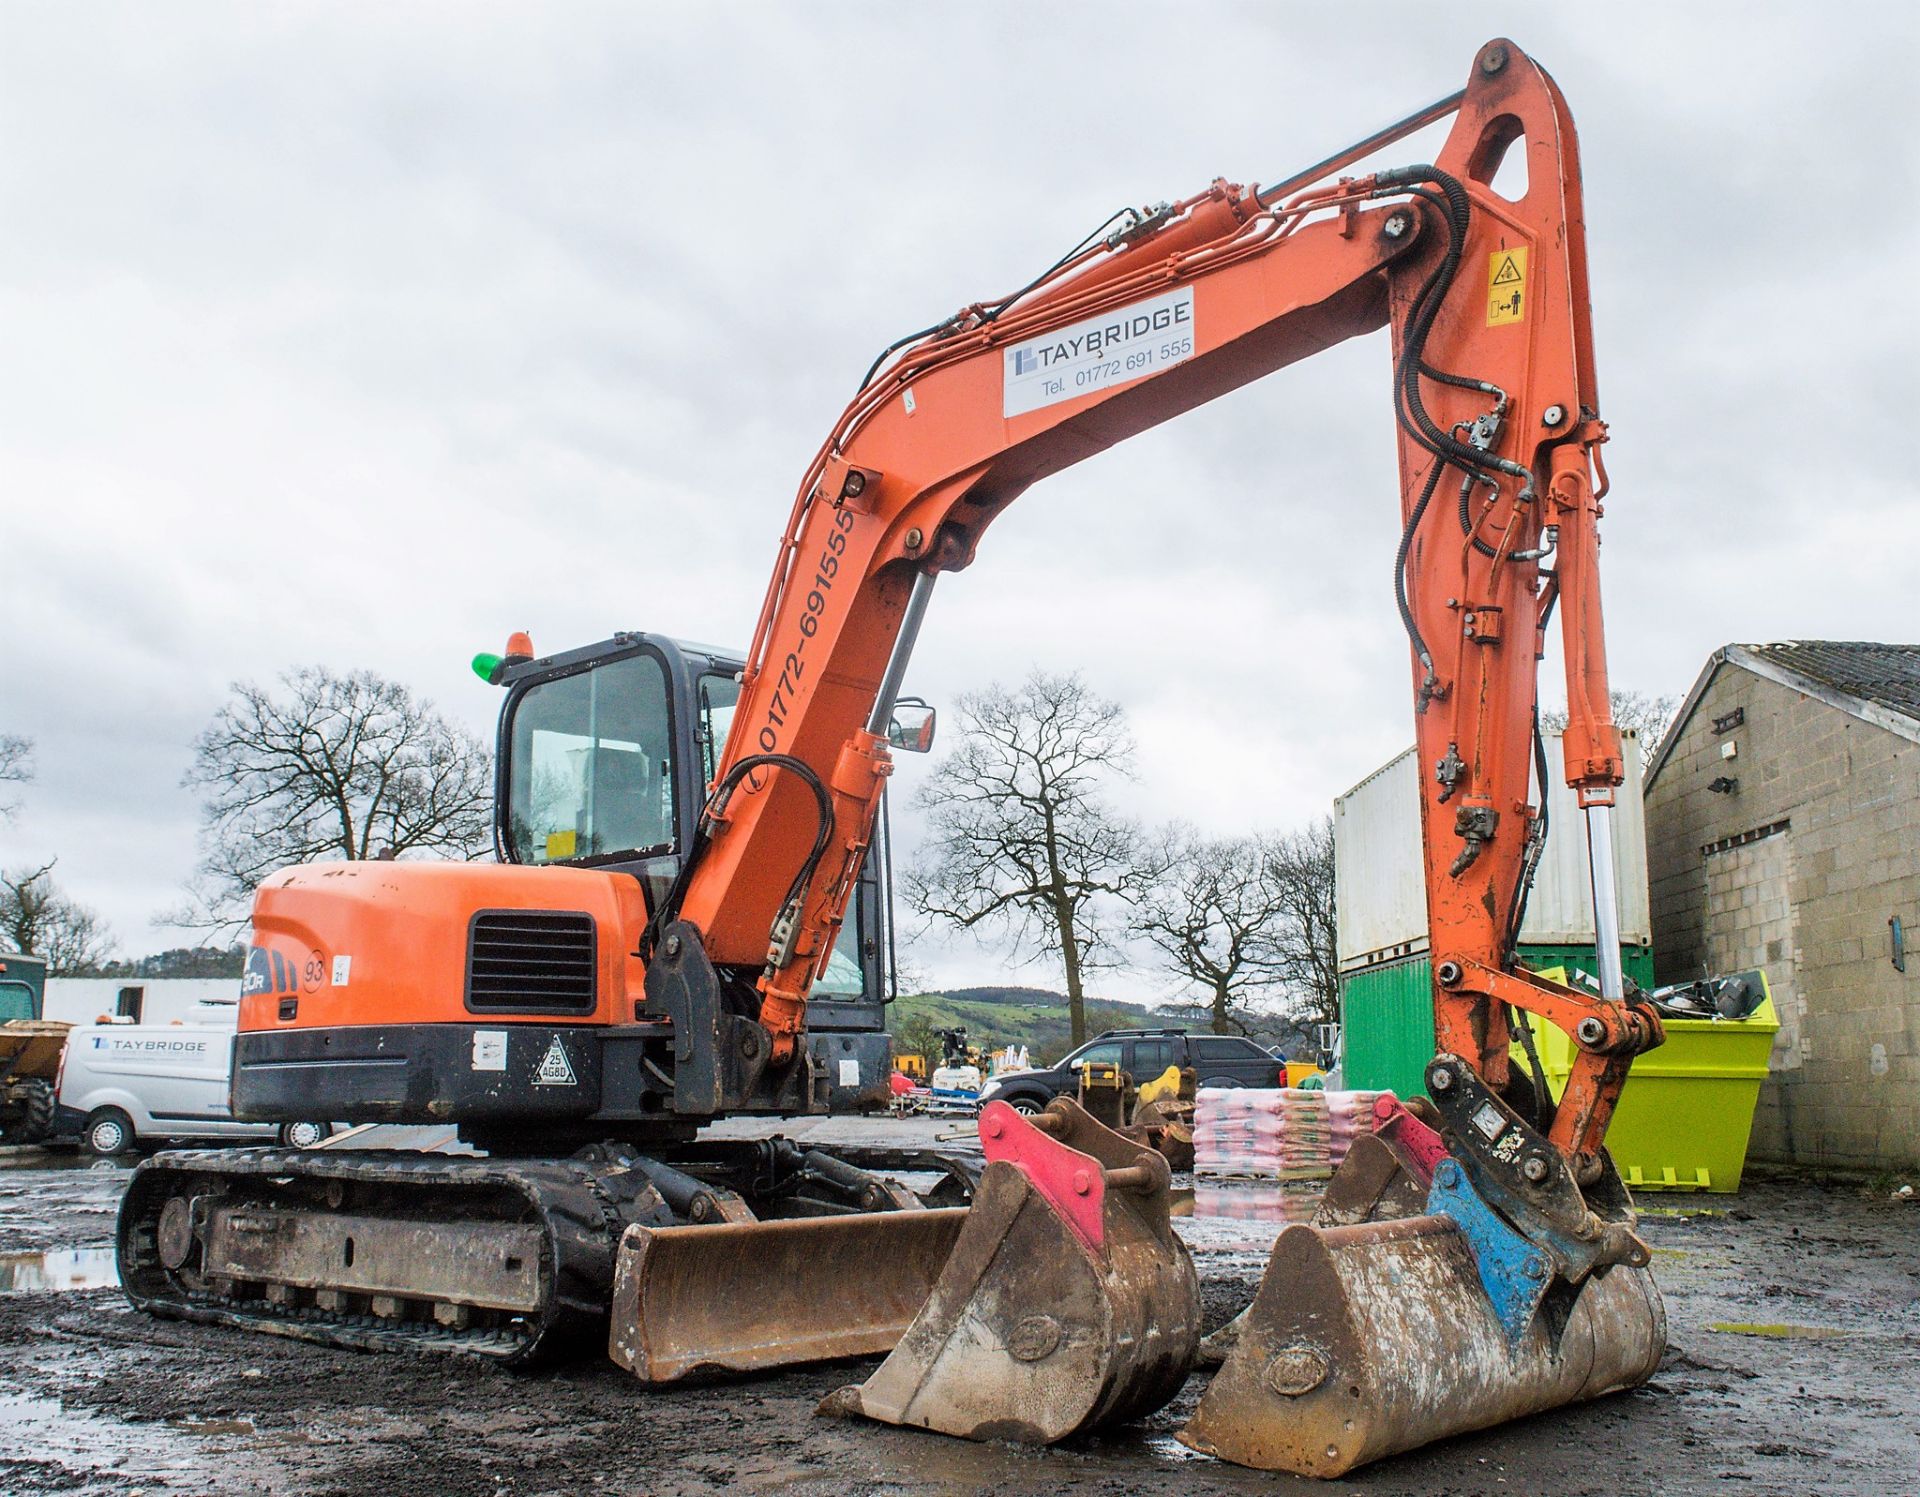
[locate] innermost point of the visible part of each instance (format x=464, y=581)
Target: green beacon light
x=487, y=666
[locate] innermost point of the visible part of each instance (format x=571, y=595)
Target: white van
x=127, y=1084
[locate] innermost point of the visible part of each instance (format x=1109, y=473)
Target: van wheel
x=1025, y=1106
x=303, y=1135
x=109, y=1131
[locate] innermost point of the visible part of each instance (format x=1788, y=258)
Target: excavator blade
x=746, y=1296
x=1368, y=1340
x=1068, y=1303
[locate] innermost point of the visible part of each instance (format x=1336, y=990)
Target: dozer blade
x=1365, y=1341
x=1068, y=1303
x=745, y=1296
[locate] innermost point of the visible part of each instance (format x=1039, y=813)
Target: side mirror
x=911, y=728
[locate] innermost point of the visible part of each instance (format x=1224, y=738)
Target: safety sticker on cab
x=1087, y=357
x=1506, y=287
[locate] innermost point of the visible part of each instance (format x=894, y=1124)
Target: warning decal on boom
x=1506, y=287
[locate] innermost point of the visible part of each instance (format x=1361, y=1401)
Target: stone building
x=1783, y=832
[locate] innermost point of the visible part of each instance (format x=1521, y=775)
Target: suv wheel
x=304, y=1135
x=1026, y=1106
x=109, y=1131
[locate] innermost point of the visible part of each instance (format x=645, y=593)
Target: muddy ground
x=97, y=1398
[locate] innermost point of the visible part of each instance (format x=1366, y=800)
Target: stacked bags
x=1283, y=1133
x=1352, y=1115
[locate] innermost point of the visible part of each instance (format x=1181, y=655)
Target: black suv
x=1216, y=1059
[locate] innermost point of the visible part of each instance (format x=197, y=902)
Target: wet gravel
x=95, y=1398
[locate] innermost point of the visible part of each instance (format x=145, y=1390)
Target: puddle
x=1243, y=1216
x=69, y=1161
x=1790, y=1332
x=213, y=1426
x=82, y=1443
x=57, y=1269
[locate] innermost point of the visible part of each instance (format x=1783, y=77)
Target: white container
x=1380, y=881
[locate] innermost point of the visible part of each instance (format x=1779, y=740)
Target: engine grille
x=531, y=961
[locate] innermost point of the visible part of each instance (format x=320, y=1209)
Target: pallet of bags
x=1263, y=1133
x=1349, y=1115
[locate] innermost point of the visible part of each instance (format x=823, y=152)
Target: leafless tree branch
x=328, y=766
x=1021, y=839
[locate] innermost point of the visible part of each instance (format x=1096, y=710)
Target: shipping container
x=1386, y=978
x=1386, y=1013
x=1381, y=893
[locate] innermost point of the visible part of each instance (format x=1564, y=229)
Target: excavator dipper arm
x=1497, y=410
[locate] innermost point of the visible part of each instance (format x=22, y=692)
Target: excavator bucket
x=1068, y=1303
x=1371, y=1339
x=744, y=1296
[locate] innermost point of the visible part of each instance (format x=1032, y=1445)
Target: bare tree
x=35, y=917
x=1211, y=909
x=1304, y=953
x=1650, y=717
x=16, y=768
x=328, y=766
x=1019, y=837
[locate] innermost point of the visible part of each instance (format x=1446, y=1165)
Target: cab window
x=719, y=695
x=843, y=977
x=592, y=765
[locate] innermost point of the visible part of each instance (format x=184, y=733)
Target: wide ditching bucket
x=1370, y=1339
x=752, y=1295
x=1067, y=1304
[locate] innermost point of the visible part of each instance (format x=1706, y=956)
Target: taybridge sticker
x=555, y=1069
x=1087, y=357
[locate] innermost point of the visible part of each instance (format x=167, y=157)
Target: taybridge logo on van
x=144, y=1046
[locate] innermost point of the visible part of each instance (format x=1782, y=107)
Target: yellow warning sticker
x=561, y=844
x=1506, y=287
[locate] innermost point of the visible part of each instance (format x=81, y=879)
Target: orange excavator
x=645, y=957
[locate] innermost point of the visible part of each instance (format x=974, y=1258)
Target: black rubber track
x=582, y=1208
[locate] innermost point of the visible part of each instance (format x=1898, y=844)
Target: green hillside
x=995, y=1017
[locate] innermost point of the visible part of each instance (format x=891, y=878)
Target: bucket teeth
x=1067, y=1304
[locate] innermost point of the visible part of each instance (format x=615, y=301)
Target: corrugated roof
x=1888, y=675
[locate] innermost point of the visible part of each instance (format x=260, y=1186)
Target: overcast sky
x=364, y=334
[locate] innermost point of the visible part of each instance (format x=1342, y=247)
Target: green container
x=1687, y=1108
x=1386, y=1013
x=23, y=986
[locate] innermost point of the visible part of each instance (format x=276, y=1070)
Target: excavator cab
x=507, y=1001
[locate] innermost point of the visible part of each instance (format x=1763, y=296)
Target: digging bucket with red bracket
x=1368, y=1340
x=1067, y=1304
